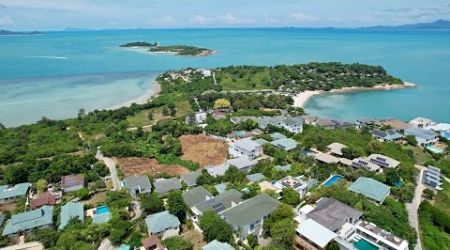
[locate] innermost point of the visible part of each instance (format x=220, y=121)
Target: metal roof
x=29, y=220
x=17, y=190
x=69, y=211
x=161, y=221
x=196, y=195
x=163, y=186
x=371, y=188
x=316, y=233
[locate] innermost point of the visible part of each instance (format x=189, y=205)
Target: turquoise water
x=58, y=73
x=102, y=210
x=363, y=244
x=333, y=179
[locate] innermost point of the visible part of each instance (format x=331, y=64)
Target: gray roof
x=293, y=120
x=284, y=168
x=261, y=141
x=255, y=177
x=242, y=162
x=161, y=221
x=421, y=133
x=246, y=143
x=221, y=202
x=285, y=143
x=217, y=245
x=163, y=186
x=137, y=182
x=196, y=195
x=20, y=189
x=332, y=213
x=191, y=178
x=69, y=211
x=28, y=220
x=221, y=187
x=251, y=210
x=390, y=134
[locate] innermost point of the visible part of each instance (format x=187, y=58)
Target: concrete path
x=414, y=206
x=112, y=169
x=106, y=245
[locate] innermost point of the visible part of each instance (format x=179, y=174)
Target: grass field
x=257, y=80
x=140, y=119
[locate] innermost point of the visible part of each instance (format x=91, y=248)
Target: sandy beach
x=302, y=98
x=144, y=98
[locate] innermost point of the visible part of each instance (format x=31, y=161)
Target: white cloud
x=229, y=19
x=6, y=20
x=302, y=17
x=199, y=19
x=167, y=20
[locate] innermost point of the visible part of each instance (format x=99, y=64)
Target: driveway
x=112, y=169
x=414, y=206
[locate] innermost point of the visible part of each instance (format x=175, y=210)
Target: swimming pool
x=333, y=179
x=363, y=244
x=102, y=210
x=435, y=149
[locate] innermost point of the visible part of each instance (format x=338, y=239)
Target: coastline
x=150, y=93
x=302, y=98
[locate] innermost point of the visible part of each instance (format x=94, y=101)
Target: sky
x=132, y=14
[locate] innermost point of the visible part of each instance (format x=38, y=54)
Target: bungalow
x=286, y=144
x=46, y=198
x=198, y=117
x=26, y=221
x=248, y=217
x=152, y=243
x=423, y=137
x=365, y=164
x=8, y=193
x=218, y=203
x=370, y=188
x=71, y=183
x=191, y=178
x=326, y=158
x=255, y=178
x=163, y=225
x=164, y=186
x=420, y=122
x=69, y=211
x=432, y=177
x=336, y=148
x=195, y=196
x=136, y=185
x=383, y=161
x=389, y=135
x=244, y=164
x=299, y=184
x=246, y=148
x=217, y=245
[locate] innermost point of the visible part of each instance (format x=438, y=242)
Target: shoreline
x=302, y=98
x=150, y=93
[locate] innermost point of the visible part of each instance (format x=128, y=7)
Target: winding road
x=413, y=207
x=112, y=169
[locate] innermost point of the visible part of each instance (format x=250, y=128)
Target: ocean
x=57, y=73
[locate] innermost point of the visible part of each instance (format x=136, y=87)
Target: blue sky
x=122, y=14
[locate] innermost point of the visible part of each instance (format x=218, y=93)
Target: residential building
x=24, y=222
x=8, y=193
x=420, y=122
x=164, y=186
x=440, y=127
x=383, y=161
x=217, y=245
x=284, y=168
x=136, y=185
x=324, y=123
x=69, y=211
x=312, y=236
x=423, y=137
x=195, y=196
x=299, y=184
x=390, y=135
x=286, y=144
x=191, y=178
x=163, y=225
x=336, y=148
x=152, y=243
x=247, y=148
x=293, y=124
x=432, y=177
x=71, y=183
x=365, y=164
x=309, y=119
x=377, y=237
x=100, y=215
x=326, y=158
x=221, y=187
x=248, y=217
x=244, y=164
x=218, y=203
x=255, y=178
x=198, y=117
x=276, y=136
x=370, y=188
x=46, y=198
x=261, y=141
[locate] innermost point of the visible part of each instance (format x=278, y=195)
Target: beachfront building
x=390, y=135
x=136, y=185
x=383, y=161
x=246, y=148
x=10, y=193
x=163, y=225
x=69, y=211
x=217, y=245
x=370, y=188
x=293, y=124
x=218, y=203
x=365, y=164
x=432, y=177
x=420, y=122
x=423, y=137
x=72, y=183
x=248, y=217
x=23, y=223
x=336, y=148
x=164, y=186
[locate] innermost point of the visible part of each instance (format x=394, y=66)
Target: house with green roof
x=286, y=144
x=257, y=177
x=162, y=224
x=217, y=245
x=69, y=211
x=24, y=222
x=8, y=193
x=370, y=188
x=248, y=217
x=276, y=136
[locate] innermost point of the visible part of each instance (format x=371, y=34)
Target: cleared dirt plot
x=204, y=150
x=146, y=166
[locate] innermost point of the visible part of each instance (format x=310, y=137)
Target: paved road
x=112, y=169
x=414, y=206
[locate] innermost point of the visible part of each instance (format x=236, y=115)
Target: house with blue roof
x=286, y=144
x=8, y=193
x=217, y=245
x=370, y=188
x=24, y=222
x=69, y=211
x=423, y=137
x=163, y=225
x=389, y=135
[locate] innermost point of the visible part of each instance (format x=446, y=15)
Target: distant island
x=439, y=24
x=8, y=33
x=180, y=50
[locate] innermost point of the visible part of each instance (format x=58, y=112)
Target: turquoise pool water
x=333, y=179
x=364, y=245
x=102, y=210
x=435, y=149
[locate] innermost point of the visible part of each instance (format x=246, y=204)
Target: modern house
x=293, y=124
x=370, y=188
x=8, y=193
x=244, y=164
x=420, y=122
x=365, y=164
x=423, y=137
x=69, y=211
x=163, y=225
x=217, y=245
x=390, y=135
x=383, y=161
x=432, y=177
x=198, y=117
x=326, y=158
x=46, y=198
x=152, y=243
x=24, y=222
x=276, y=136
x=299, y=184
x=286, y=144
x=136, y=185
x=248, y=217
x=191, y=178
x=164, y=186
x=310, y=235
x=336, y=148
x=195, y=196
x=247, y=148
x=71, y=183
x=218, y=203
x=255, y=178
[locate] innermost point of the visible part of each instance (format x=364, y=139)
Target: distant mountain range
x=439, y=24
x=8, y=32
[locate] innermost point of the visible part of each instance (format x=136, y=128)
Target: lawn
x=248, y=81
x=141, y=118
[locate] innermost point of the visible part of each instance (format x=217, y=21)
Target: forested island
x=9, y=33
x=181, y=50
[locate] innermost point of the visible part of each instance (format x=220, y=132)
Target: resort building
x=136, y=185
x=365, y=164
x=8, y=193
x=217, y=245
x=336, y=148
x=420, y=122
x=195, y=196
x=383, y=161
x=46, y=198
x=370, y=188
x=390, y=135
x=71, y=183
x=22, y=223
x=218, y=203
x=248, y=217
x=164, y=186
x=163, y=225
x=423, y=137
x=69, y=211
x=432, y=177
x=190, y=179
x=246, y=148
x=286, y=144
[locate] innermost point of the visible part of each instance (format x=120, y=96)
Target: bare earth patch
x=146, y=166
x=195, y=237
x=204, y=150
